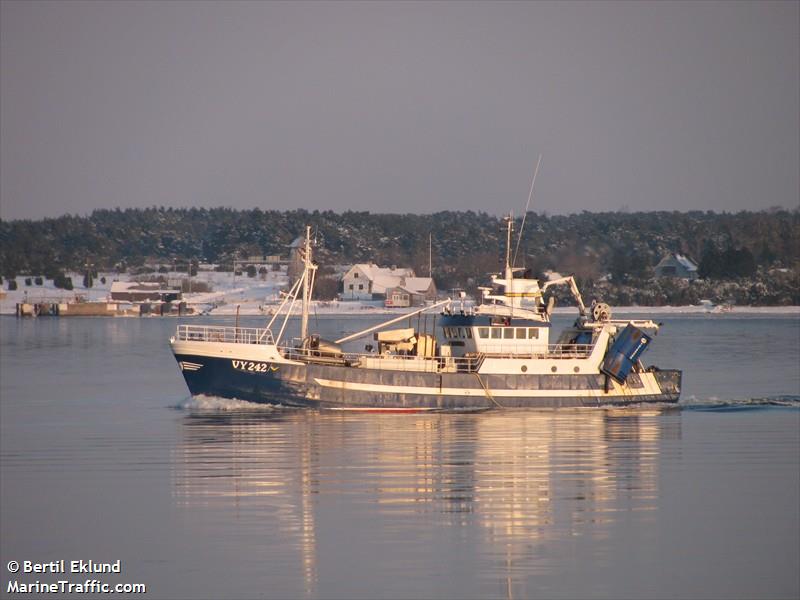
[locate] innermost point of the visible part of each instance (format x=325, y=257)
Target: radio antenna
x=430, y=255
x=527, y=206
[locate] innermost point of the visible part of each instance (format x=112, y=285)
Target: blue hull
x=299, y=385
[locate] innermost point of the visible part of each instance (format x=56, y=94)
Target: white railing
x=552, y=351
x=394, y=362
x=389, y=362
x=569, y=350
x=229, y=335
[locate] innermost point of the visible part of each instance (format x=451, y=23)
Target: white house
x=676, y=265
x=413, y=291
x=367, y=281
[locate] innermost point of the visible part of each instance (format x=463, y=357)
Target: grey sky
x=398, y=107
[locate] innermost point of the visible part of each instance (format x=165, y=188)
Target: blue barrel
x=624, y=352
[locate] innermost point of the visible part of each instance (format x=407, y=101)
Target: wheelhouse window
x=500, y=333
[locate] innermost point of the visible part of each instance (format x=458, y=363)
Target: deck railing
x=558, y=351
x=230, y=335
x=390, y=362
x=468, y=364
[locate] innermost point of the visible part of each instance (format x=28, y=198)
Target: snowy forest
x=743, y=258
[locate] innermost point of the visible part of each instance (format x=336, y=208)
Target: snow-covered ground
x=47, y=292
x=229, y=290
x=259, y=295
x=251, y=295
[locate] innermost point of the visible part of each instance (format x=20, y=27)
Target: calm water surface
x=103, y=456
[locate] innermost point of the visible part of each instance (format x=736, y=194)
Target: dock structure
x=100, y=309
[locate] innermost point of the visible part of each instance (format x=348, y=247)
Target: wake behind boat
x=496, y=355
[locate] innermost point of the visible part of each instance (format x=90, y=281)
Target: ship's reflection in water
x=468, y=505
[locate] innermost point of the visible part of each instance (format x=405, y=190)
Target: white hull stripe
x=380, y=409
x=189, y=366
x=614, y=390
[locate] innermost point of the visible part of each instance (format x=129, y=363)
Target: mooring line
x=486, y=390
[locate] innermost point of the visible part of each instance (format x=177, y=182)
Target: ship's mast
x=308, y=273
x=509, y=234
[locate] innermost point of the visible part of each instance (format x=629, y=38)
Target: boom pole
x=364, y=332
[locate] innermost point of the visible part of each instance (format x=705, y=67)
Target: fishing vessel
x=497, y=354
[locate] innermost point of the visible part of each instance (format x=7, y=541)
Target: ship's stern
x=669, y=381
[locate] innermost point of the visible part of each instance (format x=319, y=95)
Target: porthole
x=554, y=369
x=577, y=369
x=523, y=368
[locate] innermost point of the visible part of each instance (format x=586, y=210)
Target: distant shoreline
x=251, y=310
x=359, y=310
x=260, y=296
